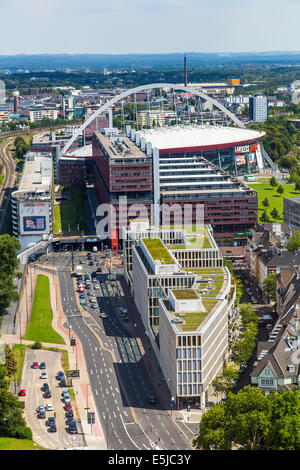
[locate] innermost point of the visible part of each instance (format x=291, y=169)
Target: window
x=267, y=382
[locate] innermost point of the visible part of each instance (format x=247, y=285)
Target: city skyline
x=118, y=27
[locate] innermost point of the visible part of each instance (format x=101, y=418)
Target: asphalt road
x=119, y=379
x=9, y=181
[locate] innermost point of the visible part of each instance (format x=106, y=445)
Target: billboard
x=34, y=223
x=34, y=217
x=240, y=159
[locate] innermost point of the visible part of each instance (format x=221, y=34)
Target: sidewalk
x=94, y=440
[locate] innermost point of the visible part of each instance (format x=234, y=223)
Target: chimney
x=16, y=102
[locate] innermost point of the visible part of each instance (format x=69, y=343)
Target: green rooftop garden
x=192, y=320
x=184, y=294
x=157, y=250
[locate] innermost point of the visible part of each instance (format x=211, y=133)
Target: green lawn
x=69, y=214
x=7, y=443
x=264, y=190
x=39, y=327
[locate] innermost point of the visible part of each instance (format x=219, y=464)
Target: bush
x=37, y=345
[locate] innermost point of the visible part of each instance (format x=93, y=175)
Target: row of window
x=189, y=377
x=188, y=353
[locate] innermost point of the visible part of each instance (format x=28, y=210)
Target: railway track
x=8, y=185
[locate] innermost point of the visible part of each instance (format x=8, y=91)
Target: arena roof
x=198, y=136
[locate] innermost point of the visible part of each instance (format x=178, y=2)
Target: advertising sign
x=246, y=148
x=34, y=223
x=251, y=157
x=34, y=217
x=240, y=159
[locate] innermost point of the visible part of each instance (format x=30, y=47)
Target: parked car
x=60, y=375
x=52, y=427
x=103, y=315
x=41, y=412
x=94, y=305
x=22, y=392
x=69, y=414
x=44, y=376
x=50, y=420
x=47, y=394
x=45, y=386
x=49, y=407
x=73, y=427
x=62, y=383
x=35, y=365
x=43, y=365
x=68, y=406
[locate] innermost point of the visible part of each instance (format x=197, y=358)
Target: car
x=40, y=408
x=69, y=414
x=60, y=375
x=22, y=392
x=97, y=287
x=69, y=420
x=94, y=279
x=45, y=386
x=91, y=263
x=90, y=293
x=82, y=302
x=81, y=296
x=51, y=420
x=43, y=365
x=35, y=365
x=87, y=286
x=68, y=406
x=47, y=394
x=62, y=383
x=49, y=407
x=67, y=399
x=94, y=305
x=52, y=427
x=99, y=270
x=151, y=399
x=103, y=315
x=44, y=375
x=42, y=414
x=65, y=393
x=81, y=261
x=73, y=427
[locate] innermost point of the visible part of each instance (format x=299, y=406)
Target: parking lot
x=36, y=397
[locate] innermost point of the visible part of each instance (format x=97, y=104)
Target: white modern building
x=32, y=202
x=185, y=297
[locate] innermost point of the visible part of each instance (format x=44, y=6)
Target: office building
x=32, y=201
x=180, y=166
x=185, y=298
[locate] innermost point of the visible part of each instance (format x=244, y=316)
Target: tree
x=224, y=382
x=265, y=217
x=275, y=213
x=214, y=430
x=280, y=189
x=294, y=242
x=265, y=202
x=269, y=287
x=12, y=423
x=9, y=246
x=273, y=182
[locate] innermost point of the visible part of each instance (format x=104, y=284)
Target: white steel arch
x=141, y=88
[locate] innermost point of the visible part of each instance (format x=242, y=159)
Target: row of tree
x=251, y=421
x=12, y=422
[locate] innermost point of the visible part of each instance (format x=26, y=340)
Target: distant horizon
x=275, y=51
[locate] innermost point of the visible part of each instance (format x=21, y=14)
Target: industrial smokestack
x=185, y=72
x=16, y=102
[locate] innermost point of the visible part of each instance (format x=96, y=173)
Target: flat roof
x=197, y=136
x=37, y=173
x=110, y=144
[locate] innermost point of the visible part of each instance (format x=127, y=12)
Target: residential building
x=258, y=108
x=277, y=364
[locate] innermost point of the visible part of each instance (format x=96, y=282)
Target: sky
x=148, y=26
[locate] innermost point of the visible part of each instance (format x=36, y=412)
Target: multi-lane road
x=118, y=375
